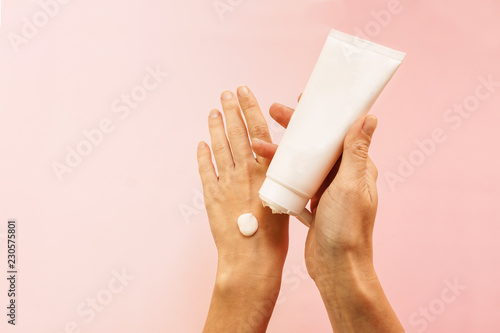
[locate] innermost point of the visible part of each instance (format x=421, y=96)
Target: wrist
x=354, y=298
x=248, y=293
x=263, y=279
x=244, y=297
x=250, y=265
x=347, y=269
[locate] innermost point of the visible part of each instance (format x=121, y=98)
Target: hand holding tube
x=338, y=249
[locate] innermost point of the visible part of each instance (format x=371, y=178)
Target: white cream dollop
x=248, y=224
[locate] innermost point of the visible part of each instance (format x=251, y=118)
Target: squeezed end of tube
x=281, y=199
x=305, y=217
x=274, y=208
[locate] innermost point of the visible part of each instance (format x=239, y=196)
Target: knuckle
x=258, y=130
x=237, y=131
x=249, y=103
x=204, y=168
x=360, y=149
x=218, y=147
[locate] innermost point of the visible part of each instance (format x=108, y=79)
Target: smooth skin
x=338, y=248
x=249, y=269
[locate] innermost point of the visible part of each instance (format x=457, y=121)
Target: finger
x=220, y=145
x=281, y=114
x=205, y=166
x=256, y=123
x=356, y=145
x=236, y=129
x=264, y=149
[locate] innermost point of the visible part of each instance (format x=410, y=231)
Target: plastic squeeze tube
x=348, y=77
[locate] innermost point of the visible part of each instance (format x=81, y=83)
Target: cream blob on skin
x=248, y=224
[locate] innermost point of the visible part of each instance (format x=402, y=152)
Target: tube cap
x=281, y=199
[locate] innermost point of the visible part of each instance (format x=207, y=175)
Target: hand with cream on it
x=338, y=249
x=249, y=267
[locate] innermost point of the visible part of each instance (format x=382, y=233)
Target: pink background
x=134, y=202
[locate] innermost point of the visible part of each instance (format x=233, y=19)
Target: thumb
x=356, y=145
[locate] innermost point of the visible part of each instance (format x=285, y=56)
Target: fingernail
x=370, y=124
x=214, y=114
x=226, y=95
x=201, y=145
x=243, y=90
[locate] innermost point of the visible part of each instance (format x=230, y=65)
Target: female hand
x=345, y=205
x=249, y=268
x=338, y=249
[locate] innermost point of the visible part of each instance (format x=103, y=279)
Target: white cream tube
x=348, y=77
